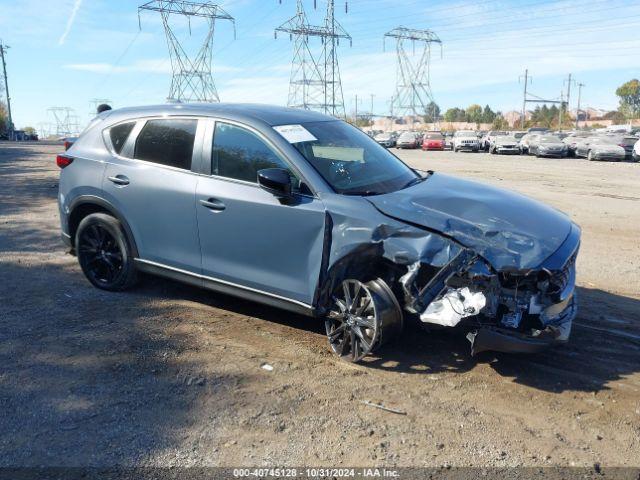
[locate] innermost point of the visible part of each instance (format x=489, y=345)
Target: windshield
x=383, y=136
x=434, y=136
x=519, y=135
x=549, y=139
x=408, y=136
x=465, y=133
x=352, y=162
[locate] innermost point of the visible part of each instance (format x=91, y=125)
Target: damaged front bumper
x=497, y=339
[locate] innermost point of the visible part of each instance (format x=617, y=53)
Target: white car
x=636, y=152
x=466, y=140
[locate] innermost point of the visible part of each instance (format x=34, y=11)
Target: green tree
x=474, y=113
x=432, y=113
x=454, y=115
x=488, y=115
x=29, y=130
x=629, y=94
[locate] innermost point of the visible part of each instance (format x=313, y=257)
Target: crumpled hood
x=508, y=229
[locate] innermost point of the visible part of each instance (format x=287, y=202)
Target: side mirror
x=276, y=181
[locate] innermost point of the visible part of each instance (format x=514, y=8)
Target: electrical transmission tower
x=334, y=99
x=191, y=80
x=66, y=121
x=306, y=85
x=315, y=79
x=413, y=87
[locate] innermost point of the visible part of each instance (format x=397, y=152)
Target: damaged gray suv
x=301, y=211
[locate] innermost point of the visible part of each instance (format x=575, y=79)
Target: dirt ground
x=169, y=375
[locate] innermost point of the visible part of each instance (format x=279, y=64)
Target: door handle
x=213, y=204
x=119, y=180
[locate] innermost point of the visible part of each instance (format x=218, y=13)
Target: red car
x=433, y=141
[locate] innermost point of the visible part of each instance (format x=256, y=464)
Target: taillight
x=63, y=161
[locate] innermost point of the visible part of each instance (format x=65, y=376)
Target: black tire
x=635, y=157
x=104, y=253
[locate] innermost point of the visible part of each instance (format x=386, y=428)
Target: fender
x=101, y=202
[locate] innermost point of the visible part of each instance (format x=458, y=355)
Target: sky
x=66, y=53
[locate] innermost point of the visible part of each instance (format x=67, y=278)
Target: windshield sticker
x=295, y=133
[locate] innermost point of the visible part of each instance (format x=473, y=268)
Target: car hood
x=509, y=230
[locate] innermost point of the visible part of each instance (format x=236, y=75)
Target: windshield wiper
x=413, y=182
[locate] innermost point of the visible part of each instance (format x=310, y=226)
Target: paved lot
x=171, y=375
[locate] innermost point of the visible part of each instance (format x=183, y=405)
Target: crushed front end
x=507, y=310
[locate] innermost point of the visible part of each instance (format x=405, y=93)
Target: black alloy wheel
x=104, y=253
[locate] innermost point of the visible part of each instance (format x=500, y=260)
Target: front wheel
x=104, y=253
x=363, y=316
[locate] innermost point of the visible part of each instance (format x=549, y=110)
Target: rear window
x=167, y=142
x=434, y=136
x=119, y=135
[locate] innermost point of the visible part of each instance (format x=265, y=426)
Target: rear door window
x=239, y=153
x=119, y=135
x=167, y=142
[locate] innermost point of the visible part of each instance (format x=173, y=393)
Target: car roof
x=243, y=112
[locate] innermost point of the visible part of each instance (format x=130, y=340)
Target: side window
x=239, y=153
x=167, y=142
x=119, y=135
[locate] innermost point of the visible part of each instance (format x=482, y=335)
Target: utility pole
x=356, y=109
x=372, y=95
x=580, y=85
x=3, y=49
x=524, y=98
x=568, y=97
x=560, y=113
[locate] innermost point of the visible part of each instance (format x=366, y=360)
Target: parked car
x=547, y=146
x=524, y=142
x=448, y=140
x=302, y=211
x=627, y=142
x=407, y=140
x=601, y=147
x=572, y=140
x=433, y=141
x=385, y=139
x=537, y=130
x=518, y=134
x=488, y=138
x=505, y=144
x=465, y=140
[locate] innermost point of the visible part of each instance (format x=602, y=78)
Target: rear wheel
x=363, y=316
x=104, y=253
